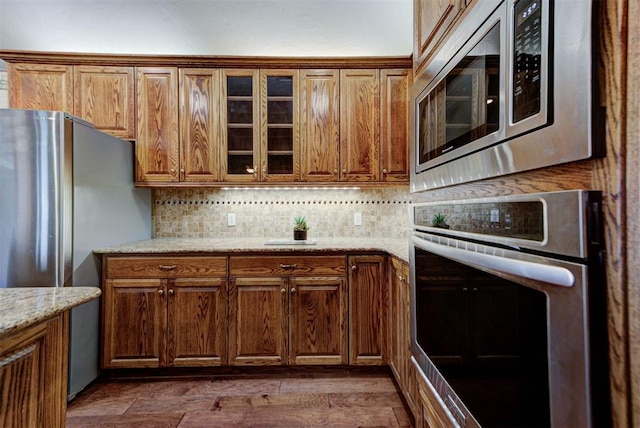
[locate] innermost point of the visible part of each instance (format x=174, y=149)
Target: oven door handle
x=550, y=274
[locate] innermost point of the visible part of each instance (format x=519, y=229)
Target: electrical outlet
x=495, y=216
x=231, y=219
x=357, y=219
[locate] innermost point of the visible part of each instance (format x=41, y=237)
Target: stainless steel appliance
x=66, y=189
x=509, y=309
x=513, y=88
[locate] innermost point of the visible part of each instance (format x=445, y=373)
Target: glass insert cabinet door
x=260, y=131
x=279, y=125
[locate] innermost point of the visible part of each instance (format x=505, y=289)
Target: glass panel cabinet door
x=240, y=117
x=279, y=125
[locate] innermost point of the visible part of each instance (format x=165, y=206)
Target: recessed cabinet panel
x=320, y=125
x=199, y=125
x=157, y=147
x=41, y=87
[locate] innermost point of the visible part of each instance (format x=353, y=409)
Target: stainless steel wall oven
x=509, y=309
x=513, y=88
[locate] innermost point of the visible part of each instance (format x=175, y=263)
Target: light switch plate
x=231, y=219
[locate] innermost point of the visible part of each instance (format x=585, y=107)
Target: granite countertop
x=398, y=247
x=24, y=307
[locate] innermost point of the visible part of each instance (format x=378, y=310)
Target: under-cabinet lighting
x=289, y=188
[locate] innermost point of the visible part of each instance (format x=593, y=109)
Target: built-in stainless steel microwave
x=513, y=88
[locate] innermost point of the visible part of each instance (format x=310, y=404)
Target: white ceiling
x=210, y=27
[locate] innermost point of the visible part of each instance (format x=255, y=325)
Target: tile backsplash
x=269, y=212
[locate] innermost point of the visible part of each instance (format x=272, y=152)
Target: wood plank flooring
x=299, y=400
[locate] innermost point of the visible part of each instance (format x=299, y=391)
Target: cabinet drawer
x=288, y=266
x=165, y=267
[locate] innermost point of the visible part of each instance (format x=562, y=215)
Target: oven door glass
x=487, y=337
x=464, y=106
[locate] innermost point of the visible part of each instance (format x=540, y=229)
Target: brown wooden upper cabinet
x=320, y=125
x=199, y=125
x=105, y=97
x=260, y=136
x=394, y=124
x=157, y=149
x=101, y=95
x=359, y=125
x=433, y=19
x=41, y=87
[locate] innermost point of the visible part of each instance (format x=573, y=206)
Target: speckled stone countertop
x=23, y=307
x=398, y=247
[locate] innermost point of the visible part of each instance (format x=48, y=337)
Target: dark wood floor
x=302, y=400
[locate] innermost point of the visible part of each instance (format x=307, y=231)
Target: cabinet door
x=432, y=21
x=279, y=124
x=199, y=125
x=318, y=321
x=22, y=378
x=258, y=321
x=157, y=145
x=396, y=313
x=359, y=125
x=105, y=97
x=135, y=316
x=197, y=322
x=366, y=310
x=240, y=125
x=394, y=124
x=41, y=87
x=320, y=125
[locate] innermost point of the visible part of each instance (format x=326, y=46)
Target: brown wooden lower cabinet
x=33, y=373
x=154, y=318
x=366, y=310
x=284, y=311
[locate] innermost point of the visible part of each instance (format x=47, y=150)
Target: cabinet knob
x=354, y=267
x=465, y=289
x=335, y=171
x=474, y=289
x=167, y=267
x=160, y=292
x=282, y=290
x=384, y=170
x=182, y=170
x=293, y=291
x=172, y=170
x=344, y=171
x=171, y=291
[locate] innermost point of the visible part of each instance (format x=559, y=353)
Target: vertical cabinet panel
x=320, y=125
x=199, y=125
x=157, y=147
x=359, y=125
x=105, y=97
x=394, y=124
x=366, y=330
x=134, y=335
x=258, y=321
x=317, y=321
x=279, y=125
x=197, y=322
x=41, y=87
x=240, y=125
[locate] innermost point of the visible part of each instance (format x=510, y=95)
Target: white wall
x=210, y=27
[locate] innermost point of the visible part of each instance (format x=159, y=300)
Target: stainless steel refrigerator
x=65, y=189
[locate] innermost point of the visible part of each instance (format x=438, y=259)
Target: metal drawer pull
x=283, y=266
x=167, y=267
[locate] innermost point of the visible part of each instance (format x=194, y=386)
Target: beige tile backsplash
x=268, y=213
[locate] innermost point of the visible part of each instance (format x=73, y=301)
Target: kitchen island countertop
x=398, y=247
x=26, y=306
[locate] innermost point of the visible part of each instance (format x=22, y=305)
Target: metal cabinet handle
x=474, y=289
x=160, y=292
x=354, y=267
x=465, y=289
x=293, y=291
x=344, y=171
x=167, y=267
x=335, y=171
x=283, y=266
x=384, y=170
x=282, y=290
x=171, y=291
